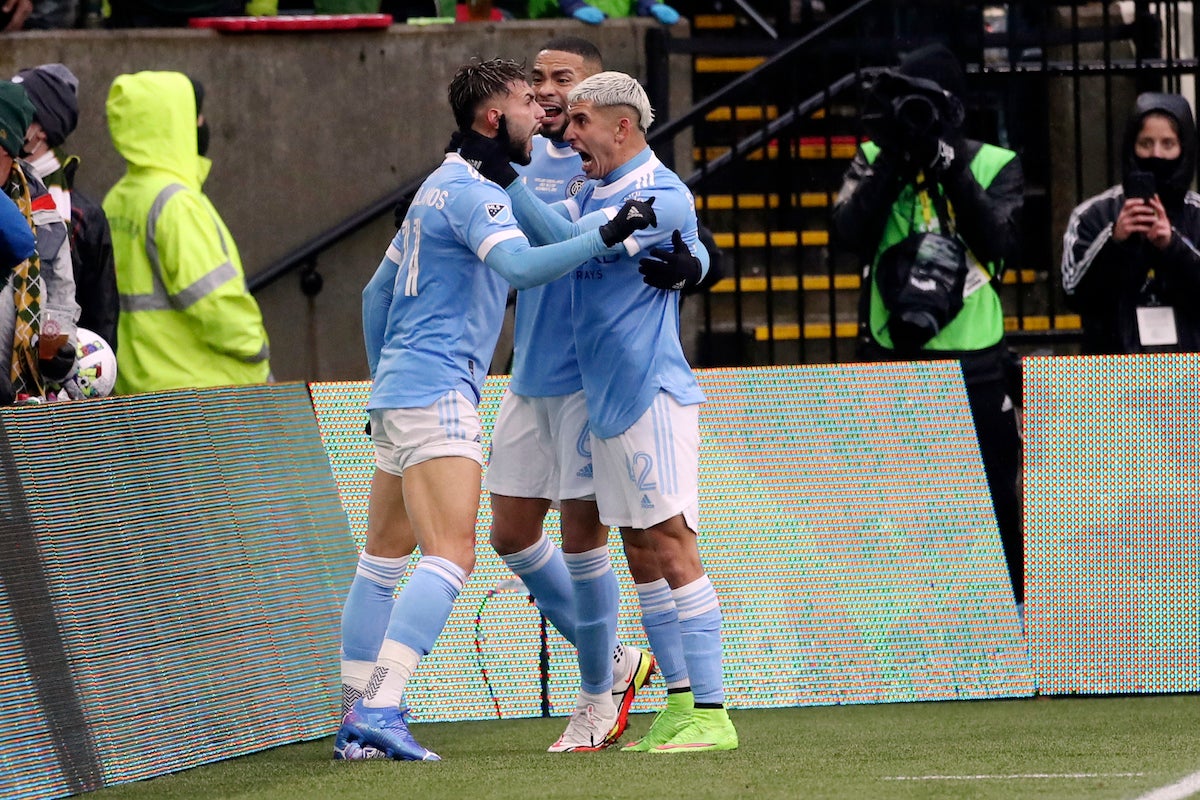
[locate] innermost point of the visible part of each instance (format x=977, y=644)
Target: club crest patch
x=498, y=212
x=575, y=185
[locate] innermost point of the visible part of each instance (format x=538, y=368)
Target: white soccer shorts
x=405, y=437
x=541, y=448
x=651, y=472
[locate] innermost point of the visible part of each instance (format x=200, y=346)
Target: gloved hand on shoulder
x=635, y=215
x=489, y=155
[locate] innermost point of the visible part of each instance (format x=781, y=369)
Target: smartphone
x=1140, y=184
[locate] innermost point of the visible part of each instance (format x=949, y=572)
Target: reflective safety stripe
x=205, y=286
x=158, y=299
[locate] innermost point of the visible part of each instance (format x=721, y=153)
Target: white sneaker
x=593, y=726
x=632, y=669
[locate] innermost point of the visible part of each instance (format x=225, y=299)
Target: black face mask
x=202, y=137
x=1163, y=170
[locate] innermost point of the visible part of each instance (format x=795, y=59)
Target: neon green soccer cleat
x=709, y=730
x=668, y=722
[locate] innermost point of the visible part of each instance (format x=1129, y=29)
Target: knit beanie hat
x=16, y=114
x=53, y=89
x=935, y=62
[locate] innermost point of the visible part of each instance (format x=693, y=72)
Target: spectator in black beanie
x=52, y=88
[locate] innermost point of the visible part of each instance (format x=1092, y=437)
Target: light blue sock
x=542, y=569
x=700, y=623
x=596, y=599
x=425, y=603
x=368, y=605
x=661, y=621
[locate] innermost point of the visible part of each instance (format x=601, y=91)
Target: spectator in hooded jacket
x=187, y=319
x=1131, y=261
x=52, y=88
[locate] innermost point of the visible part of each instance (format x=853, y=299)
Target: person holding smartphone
x=1131, y=263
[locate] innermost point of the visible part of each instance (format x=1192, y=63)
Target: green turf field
x=1092, y=748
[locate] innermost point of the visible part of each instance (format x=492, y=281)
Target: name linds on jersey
x=431, y=197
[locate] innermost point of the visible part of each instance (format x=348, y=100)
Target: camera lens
x=916, y=113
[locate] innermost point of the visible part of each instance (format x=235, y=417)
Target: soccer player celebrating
x=541, y=453
x=642, y=397
x=431, y=318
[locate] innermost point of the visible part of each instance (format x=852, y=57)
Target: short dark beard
x=517, y=154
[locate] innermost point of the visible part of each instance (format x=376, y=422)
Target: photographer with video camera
x=936, y=219
x=1131, y=263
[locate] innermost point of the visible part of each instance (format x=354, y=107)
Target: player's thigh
x=516, y=522
x=650, y=472
x=571, y=441
x=676, y=549
x=582, y=529
x=442, y=498
x=389, y=533
x=436, y=456
x=522, y=462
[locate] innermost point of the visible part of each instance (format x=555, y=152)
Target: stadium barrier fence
x=176, y=562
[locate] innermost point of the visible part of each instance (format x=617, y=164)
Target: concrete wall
x=307, y=129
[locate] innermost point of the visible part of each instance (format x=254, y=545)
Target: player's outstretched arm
x=525, y=266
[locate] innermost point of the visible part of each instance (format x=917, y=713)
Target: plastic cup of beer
x=53, y=333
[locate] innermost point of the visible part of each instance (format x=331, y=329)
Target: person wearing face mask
x=187, y=319
x=38, y=312
x=1131, y=262
x=53, y=88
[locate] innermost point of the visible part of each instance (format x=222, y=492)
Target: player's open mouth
x=552, y=112
x=585, y=157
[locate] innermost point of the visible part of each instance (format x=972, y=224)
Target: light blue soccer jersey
x=544, y=361
x=446, y=307
x=627, y=333
x=432, y=311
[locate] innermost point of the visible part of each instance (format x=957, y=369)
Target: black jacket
x=95, y=270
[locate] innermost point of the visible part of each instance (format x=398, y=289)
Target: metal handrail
x=307, y=252
x=668, y=131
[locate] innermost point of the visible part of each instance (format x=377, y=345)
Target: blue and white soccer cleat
x=382, y=729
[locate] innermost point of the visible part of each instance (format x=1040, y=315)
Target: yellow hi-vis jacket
x=187, y=319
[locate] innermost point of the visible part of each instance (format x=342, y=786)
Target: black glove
x=673, y=270
x=456, y=141
x=635, y=215
x=489, y=156
x=60, y=367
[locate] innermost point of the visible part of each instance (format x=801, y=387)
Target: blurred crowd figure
x=165, y=281
x=53, y=90
x=38, y=309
